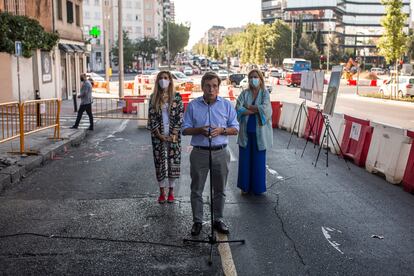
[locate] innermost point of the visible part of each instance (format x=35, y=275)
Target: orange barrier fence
x=20, y=120
x=10, y=121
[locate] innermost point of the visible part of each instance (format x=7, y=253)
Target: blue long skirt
x=252, y=167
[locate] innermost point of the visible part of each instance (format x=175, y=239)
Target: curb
x=12, y=175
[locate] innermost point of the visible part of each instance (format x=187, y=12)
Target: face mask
x=255, y=82
x=164, y=83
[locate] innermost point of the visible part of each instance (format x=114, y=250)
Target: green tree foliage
x=307, y=49
x=278, y=42
x=147, y=47
x=129, y=50
x=28, y=31
x=178, y=35
x=410, y=45
x=393, y=43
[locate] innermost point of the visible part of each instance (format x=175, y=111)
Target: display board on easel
x=311, y=86
x=333, y=89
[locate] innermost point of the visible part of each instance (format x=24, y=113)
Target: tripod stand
x=328, y=134
x=212, y=239
x=302, y=108
x=316, y=122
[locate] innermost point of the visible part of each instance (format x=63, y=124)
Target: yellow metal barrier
x=128, y=107
x=19, y=120
x=10, y=121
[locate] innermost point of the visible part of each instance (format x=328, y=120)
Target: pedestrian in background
x=254, y=113
x=86, y=102
x=165, y=116
x=196, y=123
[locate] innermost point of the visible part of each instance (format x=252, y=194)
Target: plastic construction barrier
x=276, y=111
x=357, y=139
x=313, y=127
x=388, y=152
x=337, y=124
x=408, y=179
x=185, y=98
x=288, y=116
x=131, y=103
x=373, y=83
x=352, y=82
x=142, y=114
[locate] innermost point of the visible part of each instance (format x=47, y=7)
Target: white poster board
x=333, y=88
x=306, y=82
x=318, y=79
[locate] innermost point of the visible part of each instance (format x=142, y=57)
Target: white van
x=405, y=87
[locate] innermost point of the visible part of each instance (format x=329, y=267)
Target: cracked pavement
x=93, y=211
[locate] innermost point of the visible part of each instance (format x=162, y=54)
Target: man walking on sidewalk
x=86, y=102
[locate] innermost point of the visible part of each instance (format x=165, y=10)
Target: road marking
x=335, y=245
x=274, y=172
x=229, y=268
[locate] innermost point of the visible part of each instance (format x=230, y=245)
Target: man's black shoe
x=196, y=229
x=91, y=128
x=221, y=227
x=73, y=127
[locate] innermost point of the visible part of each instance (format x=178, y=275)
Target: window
x=148, y=17
x=69, y=12
x=59, y=9
x=97, y=15
x=137, y=17
x=77, y=10
x=15, y=7
x=138, y=30
x=96, y=2
x=148, y=6
x=149, y=30
x=86, y=15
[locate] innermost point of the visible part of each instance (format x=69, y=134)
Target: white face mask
x=164, y=83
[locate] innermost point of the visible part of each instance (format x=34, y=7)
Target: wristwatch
x=224, y=131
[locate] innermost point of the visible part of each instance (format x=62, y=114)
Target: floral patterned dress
x=167, y=156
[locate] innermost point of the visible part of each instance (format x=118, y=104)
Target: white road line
x=274, y=172
x=229, y=268
x=328, y=237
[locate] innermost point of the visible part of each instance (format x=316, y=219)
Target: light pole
x=168, y=42
x=291, y=38
x=121, y=51
x=329, y=45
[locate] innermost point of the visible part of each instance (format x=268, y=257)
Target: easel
x=319, y=114
x=302, y=108
x=328, y=134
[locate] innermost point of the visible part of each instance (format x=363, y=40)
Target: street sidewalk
x=40, y=148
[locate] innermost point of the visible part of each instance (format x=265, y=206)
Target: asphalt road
x=93, y=210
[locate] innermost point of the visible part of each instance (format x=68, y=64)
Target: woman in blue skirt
x=254, y=113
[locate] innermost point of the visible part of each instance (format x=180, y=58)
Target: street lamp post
x=121, y=51
x=168, y=44
x=291, y=38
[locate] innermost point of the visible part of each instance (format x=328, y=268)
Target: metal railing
x=10, y=121
x=22, y=119
x=128, y=107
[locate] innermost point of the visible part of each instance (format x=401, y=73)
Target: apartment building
x=355, y=23
x=53, y=74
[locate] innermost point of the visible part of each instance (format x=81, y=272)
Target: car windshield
x=222, y=72
x=180, y=75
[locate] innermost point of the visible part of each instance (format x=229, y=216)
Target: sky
x=203, y=14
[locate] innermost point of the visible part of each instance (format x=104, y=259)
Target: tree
x=129, y=50
x=307, y=49
x=28, y=31
x=178, y=36
x=146, y=48
x=393, y=43
x=278, y=41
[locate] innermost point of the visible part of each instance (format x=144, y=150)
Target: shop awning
x=66, y=48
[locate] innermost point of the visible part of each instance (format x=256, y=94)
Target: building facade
x=355, y=24
x=53, y=74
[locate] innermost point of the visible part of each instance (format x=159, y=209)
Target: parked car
x=236, y=78
x=377, y=70
x=222, y=74
x=244, y=84
x=95, y=76
x=179, y=77
x=188, y=71
x=215, y=67
x=275, y=73
x=404, y=87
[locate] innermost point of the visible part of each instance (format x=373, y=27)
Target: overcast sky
x=203, y=14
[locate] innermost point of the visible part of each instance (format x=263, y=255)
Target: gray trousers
x=199, y=168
